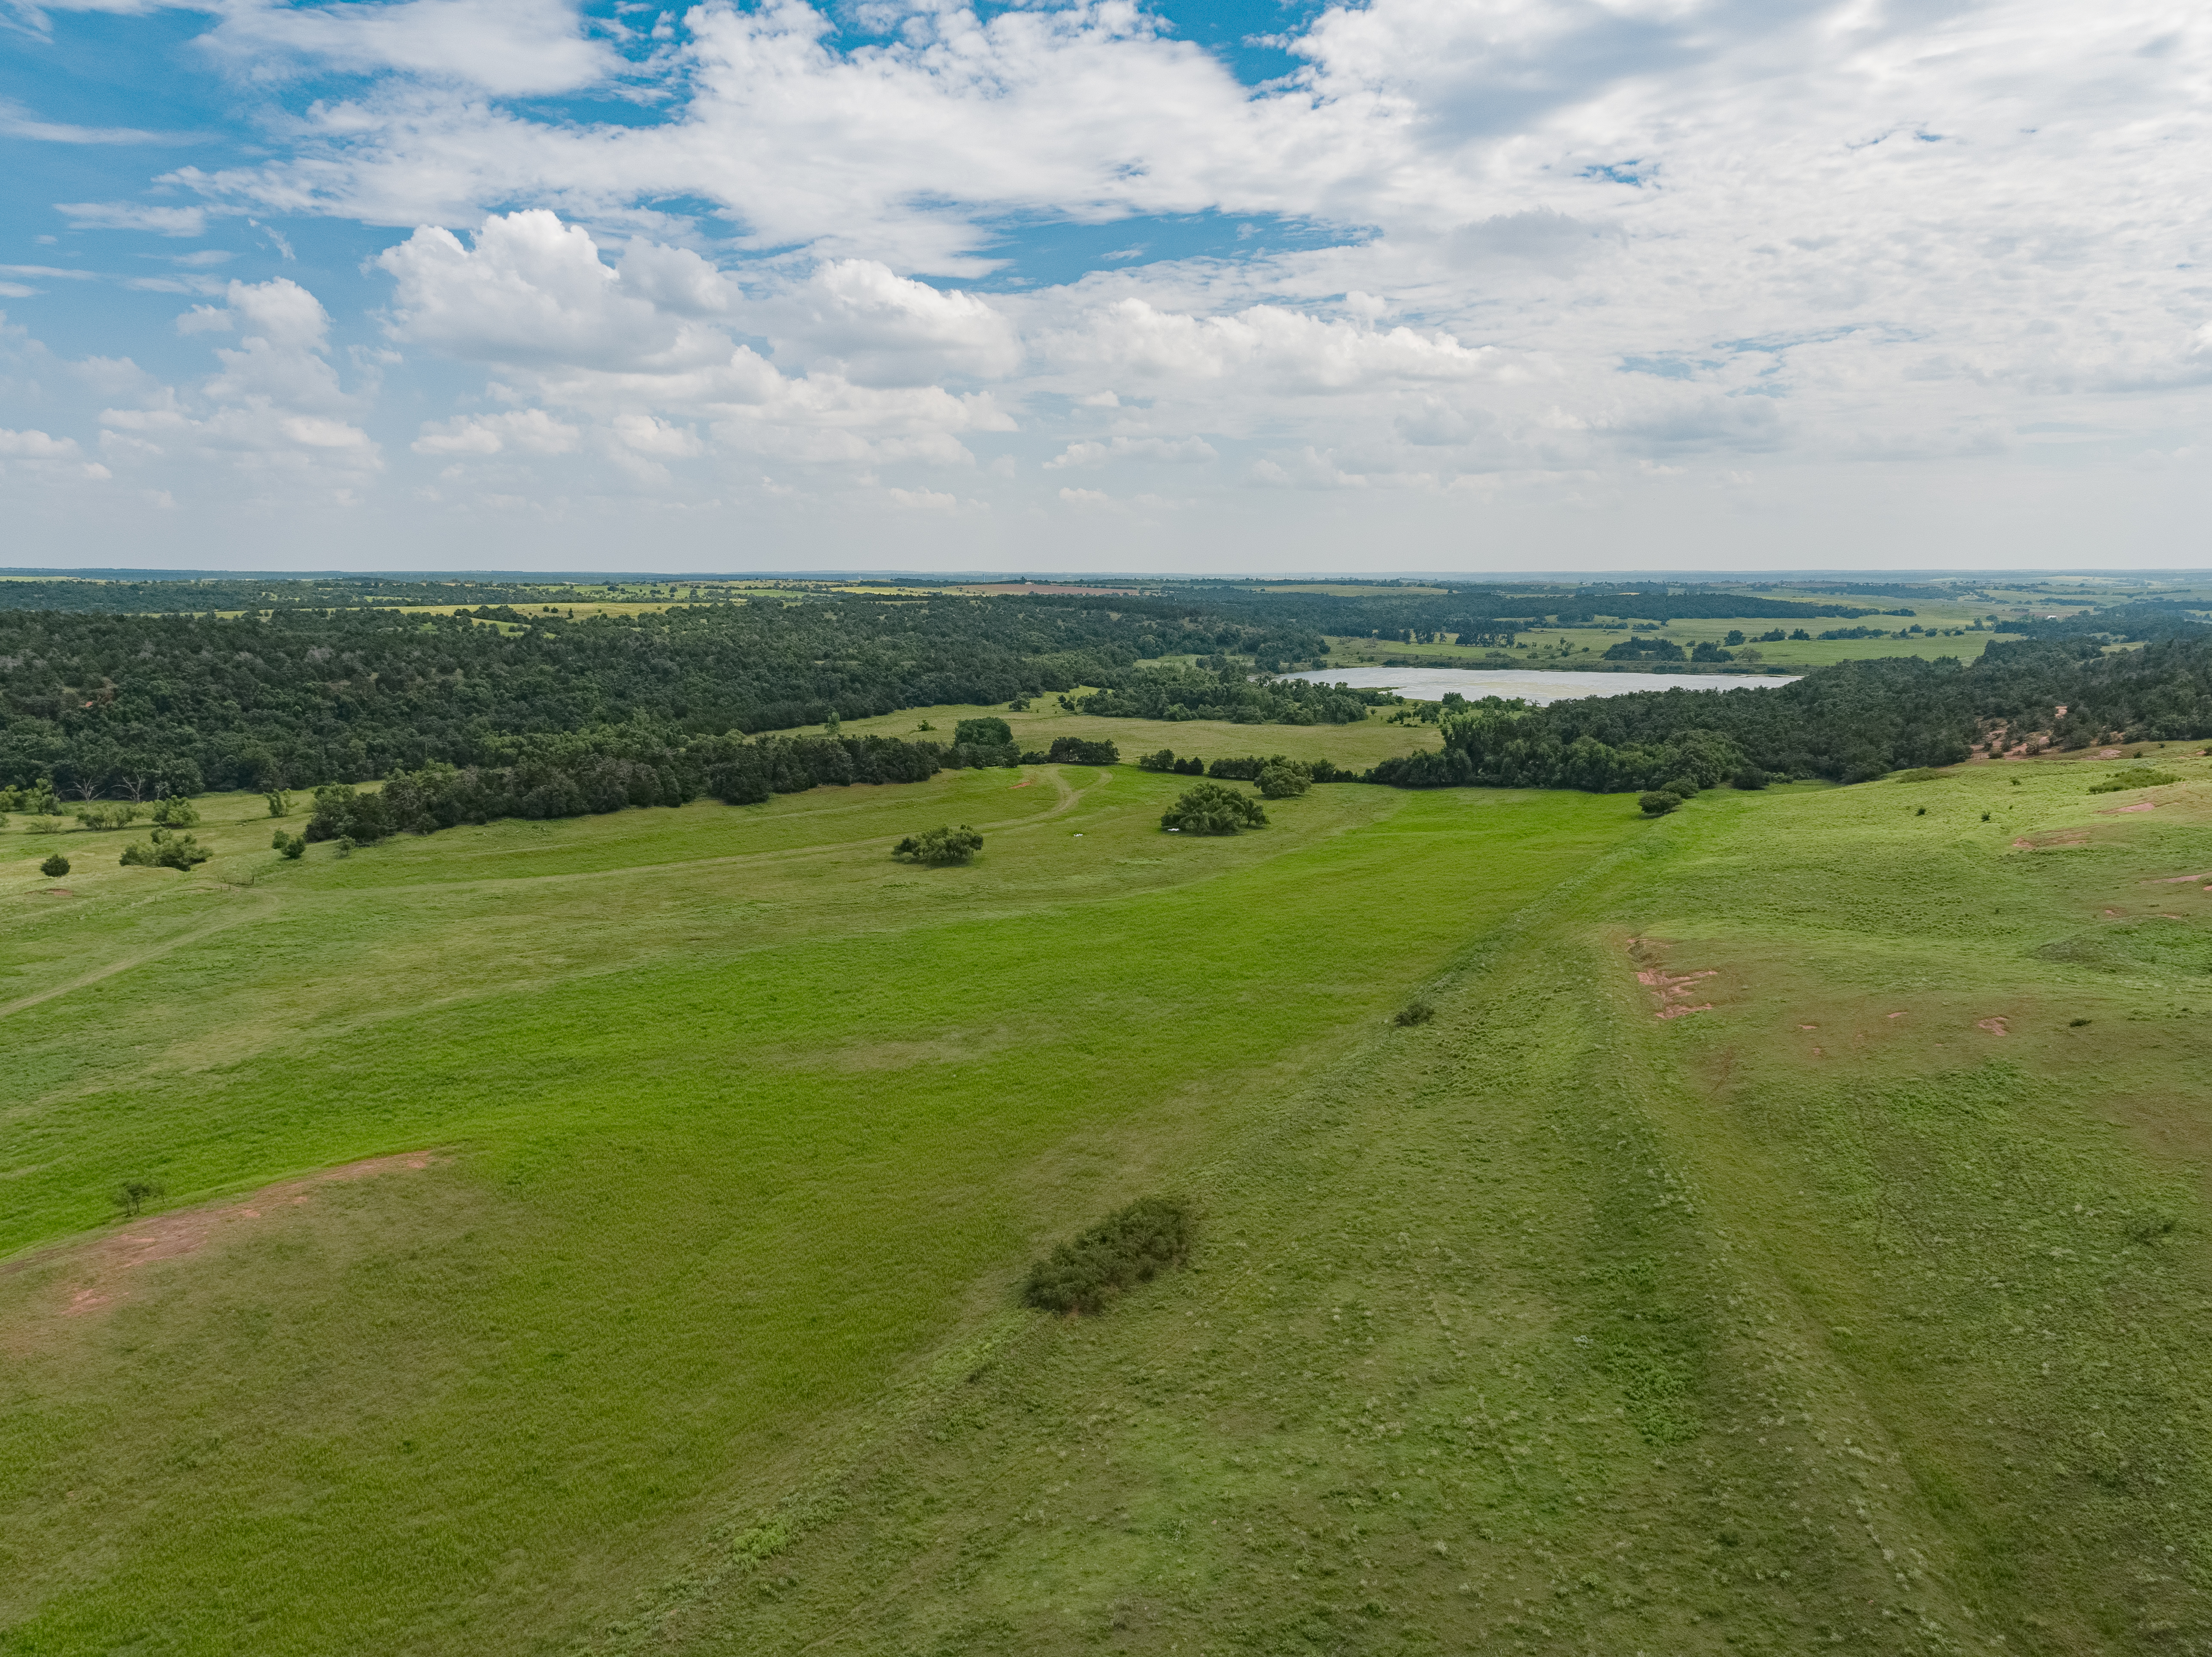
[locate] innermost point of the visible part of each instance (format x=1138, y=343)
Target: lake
x=1429, y=684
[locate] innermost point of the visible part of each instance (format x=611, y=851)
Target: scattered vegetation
x=1152, y=1235
x=1415, y=1012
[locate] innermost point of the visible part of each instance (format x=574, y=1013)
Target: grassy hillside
x=1861, y=1306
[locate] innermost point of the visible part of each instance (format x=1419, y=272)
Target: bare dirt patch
x=1995, y=1026
x=96, y=1274
x=1673, y=990
x=2121, y=811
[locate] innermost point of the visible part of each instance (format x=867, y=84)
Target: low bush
x=107, y=814
x=1418, y=1012
x=1750, y=777
x=1285, y=779
x=1657, y=802
x=132, y=1196
x=2137, y=777
x=1152, y=1235
x=1921, y=774
x=55, y=866
x=291, y=845
x=939, y=848
x=1210, y=808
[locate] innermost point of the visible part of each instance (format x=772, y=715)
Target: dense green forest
x=138, y=704
x=96, y=704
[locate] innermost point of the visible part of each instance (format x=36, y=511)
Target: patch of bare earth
x=1672, y=991
x=95, y=1272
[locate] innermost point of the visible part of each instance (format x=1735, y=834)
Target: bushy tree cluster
x=1210, y=808
x=939, y=848
x=1152, y=1235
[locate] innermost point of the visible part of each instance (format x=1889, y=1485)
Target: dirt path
x=259, y=906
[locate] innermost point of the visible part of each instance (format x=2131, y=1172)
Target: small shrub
x=1922, y=812
x=2139, y=776
x=1133, y=1247
x=1210, y=808
x=1418, y=1012
x=939, y=848
x=1285, y=779
x=1986, y=817
x=2076, y=1023
x=1750, y=777
x=175, y=813
x=45, y=826
x=1920, y=774
x=280, y=803
x=292, y=846
x=1657, y=802
x=55, y=866
x=1162, y=761
x=132, y=1196
x=107, y=814
x=1683, y=787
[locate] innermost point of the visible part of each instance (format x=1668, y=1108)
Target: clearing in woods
x=1708, y=1275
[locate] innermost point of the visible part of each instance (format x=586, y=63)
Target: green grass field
x=1861, y=1308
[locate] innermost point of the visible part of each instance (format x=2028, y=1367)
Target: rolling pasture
x=1787, y=1230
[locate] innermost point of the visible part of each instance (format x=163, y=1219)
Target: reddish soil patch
x=2120, y=811
x=60, y=892
x=2108, y=753
x=1896, y=1015
x=2178, y=880
x=1995, y=1026
x=97, y=1277
x=1026, y=782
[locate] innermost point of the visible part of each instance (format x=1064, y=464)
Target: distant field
x=1362, y=744
x=1584, y=647
x=1856, y=1302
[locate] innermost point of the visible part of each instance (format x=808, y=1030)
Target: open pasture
x=1787, y=1234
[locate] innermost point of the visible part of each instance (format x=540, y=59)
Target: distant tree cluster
x=1229, y=693
x=1245, y=769
x=1849, y=723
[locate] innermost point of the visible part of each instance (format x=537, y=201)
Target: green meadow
x=1788, y=1232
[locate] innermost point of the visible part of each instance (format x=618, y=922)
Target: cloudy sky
x=1203, y=284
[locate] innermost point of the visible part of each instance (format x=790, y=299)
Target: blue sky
x=1419, y=284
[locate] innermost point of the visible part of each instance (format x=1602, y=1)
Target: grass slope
x=735, y=1123
x=1861, y=1309
x=1555, y=1324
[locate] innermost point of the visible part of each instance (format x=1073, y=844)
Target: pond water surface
x=1429, y=684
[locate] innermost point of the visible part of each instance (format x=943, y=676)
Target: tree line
x=1848, y=723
